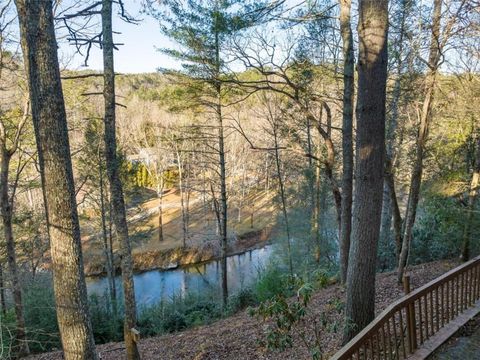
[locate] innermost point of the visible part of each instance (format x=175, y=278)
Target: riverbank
x=167, y=259
x=249, y=227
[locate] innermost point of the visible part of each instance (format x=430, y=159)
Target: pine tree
x=202, y=30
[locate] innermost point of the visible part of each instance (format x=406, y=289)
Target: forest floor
x=250, y=226
x=239, y=337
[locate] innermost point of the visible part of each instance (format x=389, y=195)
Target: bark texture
x=116, y=189
x=49, y=119
x=370, y=151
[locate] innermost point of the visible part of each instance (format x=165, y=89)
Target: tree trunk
x=316, y=214
x=116, y=189
x=160, y=210
x=3, y=303
x=223, y=203
x=370, y=152
x=395, y=209
x=222, y=165
x=282, y=197
x=6, y=209
x=49, y=120
x=390, y=203
x=472, y=197
x=347, y=138
x=106, y=249
x=182, y=199
x=311, y=188
x=425, y=119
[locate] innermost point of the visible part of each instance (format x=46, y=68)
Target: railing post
x=411, y=328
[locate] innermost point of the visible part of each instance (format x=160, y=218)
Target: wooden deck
x=461, y=348
x=421, y=321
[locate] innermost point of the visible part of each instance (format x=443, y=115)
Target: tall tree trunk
x=390, y=204
x=106, y=248
x=222, y=165
x=330, y=159
x=311, y=189
x=50, y=123
x=282, y=197
x=182, y=199
x=395, y=209
x=425, y=119
x=347, y=138
x=472, y=197
x=187, y=197
x=223, y=202
x=6, y=210
x=3, y=303
x=160, y=188
x=116, y=189
x=370, y=153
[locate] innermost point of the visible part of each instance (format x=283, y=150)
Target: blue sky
x=138, y=54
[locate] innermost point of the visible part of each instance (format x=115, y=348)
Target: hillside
x=237, y=337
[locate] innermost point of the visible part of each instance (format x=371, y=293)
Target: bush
x=242, y=300
x=179, y=313
x=107, y=324
x=40, y=314
x=271, y=282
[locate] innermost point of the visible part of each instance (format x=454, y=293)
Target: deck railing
x=407, y=323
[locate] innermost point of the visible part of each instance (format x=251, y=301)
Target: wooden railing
x=407, y=323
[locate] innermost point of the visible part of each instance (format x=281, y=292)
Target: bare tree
x=438, y=42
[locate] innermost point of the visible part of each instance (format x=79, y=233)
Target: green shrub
x=40, y=314
x=242, y=300
x=271, y=282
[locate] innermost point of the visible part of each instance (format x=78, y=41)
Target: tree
x=49, y=120
x=347, y=135
x=370, y=147
x=438, y=40
x=202, y=30
x=6, y=210
x=472, y=197
x=91, y=166
x=116, y=189
x=12, y=131
x=402, y=55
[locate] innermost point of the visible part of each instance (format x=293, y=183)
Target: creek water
x=155, y=285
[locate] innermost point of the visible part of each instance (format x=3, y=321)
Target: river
x=155, y=285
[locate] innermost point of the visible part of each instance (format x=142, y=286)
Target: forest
x=265, y=193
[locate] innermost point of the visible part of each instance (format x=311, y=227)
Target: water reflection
x=152, y=286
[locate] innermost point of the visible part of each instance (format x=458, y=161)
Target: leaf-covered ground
x=239, y=336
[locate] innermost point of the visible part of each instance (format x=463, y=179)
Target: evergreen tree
x=202, y=30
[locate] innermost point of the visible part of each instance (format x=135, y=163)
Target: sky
x=139, y=53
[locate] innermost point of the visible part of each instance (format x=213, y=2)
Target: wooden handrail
x=379, y=342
